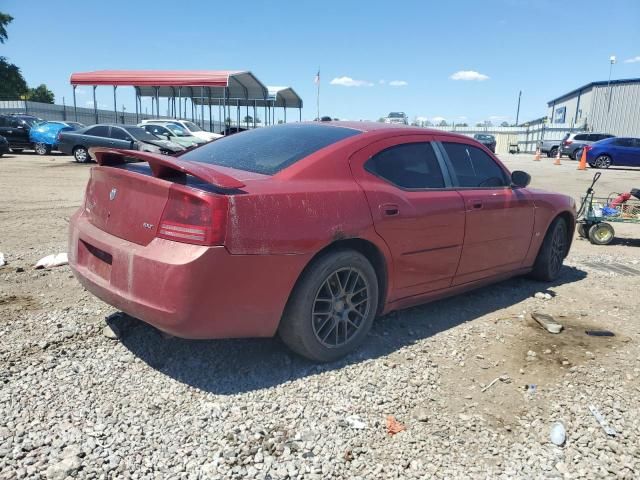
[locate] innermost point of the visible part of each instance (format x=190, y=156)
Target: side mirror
x=132, y=145
x=520, y=179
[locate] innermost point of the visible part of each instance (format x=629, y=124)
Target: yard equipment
x=597, y=213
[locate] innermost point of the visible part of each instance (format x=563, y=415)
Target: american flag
x=316, y=79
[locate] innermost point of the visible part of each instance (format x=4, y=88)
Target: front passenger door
x=499, y=219
x=120, y=138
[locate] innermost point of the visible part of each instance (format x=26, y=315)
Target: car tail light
x=587, y=148
x=194, y=217
x=567, y=142
x=58, y=136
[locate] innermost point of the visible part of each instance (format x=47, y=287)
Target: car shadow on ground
x=229, y=367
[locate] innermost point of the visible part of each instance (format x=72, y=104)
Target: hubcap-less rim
x=558, y=246
x=603, y=162
x=341, y=305
x=602, y=234
x=81, y=154
x=41, y=149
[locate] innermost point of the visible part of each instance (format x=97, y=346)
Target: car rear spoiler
x=164, y=166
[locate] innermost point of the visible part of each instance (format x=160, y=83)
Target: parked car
x=574, y=143
x=618, y=151
x=309, y=230
x=487, y=140
x=15, y=127
x=191, y=127
x=4, y=146
x=78, y=142
x=174, y=133
x=44, y=136
x=397, y=117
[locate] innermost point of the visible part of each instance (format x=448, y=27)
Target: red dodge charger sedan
x=308, y=230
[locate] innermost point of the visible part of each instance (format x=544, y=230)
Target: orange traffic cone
x=583, y=159
x=537, y=156
x=557, y=160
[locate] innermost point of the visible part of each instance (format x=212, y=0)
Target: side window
x=120, y=134
x=15, y=123
x=411, y=165
x=581, y=137
x=624, y=142
x=99, y=131
x=474, y=168
x=3, y=122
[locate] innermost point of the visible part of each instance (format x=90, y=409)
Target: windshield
x=31, y=121
x=140, y=134
x=192, y=126
x=178, y=130
x=268, y=150
x=75, y=125
x=396, y=115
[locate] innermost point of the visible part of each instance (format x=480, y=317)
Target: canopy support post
x=75, y=108
x=254, y=113
x=238, y=114
x=300, y=113
x=210, y=116
x=135, y=89
x=115, y=104
x=202, y=107
x=179, y=103
x=95, y=104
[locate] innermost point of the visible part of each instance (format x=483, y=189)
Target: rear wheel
x=552, y=252
x=578, y=154
x=553, y=152
x=603, y=161
x=601, y=234
x=583, y=230
x=81, y=155
x=332, y=307
x=42, y=148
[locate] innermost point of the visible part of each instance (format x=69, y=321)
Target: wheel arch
x=366, y=248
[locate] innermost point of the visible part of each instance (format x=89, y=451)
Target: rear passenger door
x=499, y=219
x=97, y=136
x=414, y=210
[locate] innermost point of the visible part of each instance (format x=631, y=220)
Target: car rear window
x=270, y=149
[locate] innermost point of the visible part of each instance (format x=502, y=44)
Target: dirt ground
x=473, y=339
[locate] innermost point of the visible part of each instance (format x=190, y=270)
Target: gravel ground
x=75, y=402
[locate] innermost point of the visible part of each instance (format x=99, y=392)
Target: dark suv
x=15, y=128
x=573, y=144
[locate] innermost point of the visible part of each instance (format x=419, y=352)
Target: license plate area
x=95, y=259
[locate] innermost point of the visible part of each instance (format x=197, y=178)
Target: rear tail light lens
x=194, y=217
x=568, y=142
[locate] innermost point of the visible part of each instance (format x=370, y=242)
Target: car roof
x=379, y=127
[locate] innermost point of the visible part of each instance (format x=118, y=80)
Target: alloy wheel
x=41, y=149
x=603, y=161
x=340, y=307
x=81, y=155
x=558, y=248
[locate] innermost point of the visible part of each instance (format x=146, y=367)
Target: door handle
x=389, y=209
x=476, y=204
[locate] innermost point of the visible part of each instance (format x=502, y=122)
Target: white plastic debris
x=2, y=260
x=54, y=260
x=547, y=322
x=354, y=421
x=602, y=421
x=558, y=434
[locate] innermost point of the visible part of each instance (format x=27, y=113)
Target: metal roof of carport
x=170, y=83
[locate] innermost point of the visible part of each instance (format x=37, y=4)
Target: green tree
x=443, y=123
x=504, y=124
x=40, y=94
x=12, y=84
x=5, y=20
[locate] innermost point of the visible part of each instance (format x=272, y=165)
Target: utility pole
x=518, y=110
x=612, y=60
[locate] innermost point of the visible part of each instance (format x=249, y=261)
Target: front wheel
x=42, y=148
x=553, y=152
x=601, y=234
x=552, y=252
x=332, y=307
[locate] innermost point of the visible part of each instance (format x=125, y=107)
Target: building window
x=560, y=115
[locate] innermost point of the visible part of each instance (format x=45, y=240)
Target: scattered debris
x=600, y=333
x=531, y=388
x=421, y=414
x=602, y=421
x=19, y=269
x=354, y=421
x=348, y=455
x=394, y=426
x=502, y=378
x=2, y=260
x=558, y=434
x=531, y=356
x=55, y=260
x=109, y=333
x=543, y=296
x=547, y=322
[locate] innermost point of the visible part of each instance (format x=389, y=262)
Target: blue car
x=617, y=151
x=44, y=135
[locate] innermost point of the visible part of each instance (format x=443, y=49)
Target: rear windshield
x=270, y=149
x=484, y=137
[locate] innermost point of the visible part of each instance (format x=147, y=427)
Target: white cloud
x=421, y=119
x=469, y=75
x=81, y=91
x=350, y=82
x=382, y=82
x=633, y=59
x=398, y=83
x=437, y=120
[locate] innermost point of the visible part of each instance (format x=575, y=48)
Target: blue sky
x=542, y=47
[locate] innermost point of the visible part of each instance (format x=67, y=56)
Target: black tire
x=42, y=148
x=601, y=234
x=553, y=152
x=81, y=154
x=583, y=230
x=302, y=326
x=603, y=161
x=552, y=252
x=577, y=155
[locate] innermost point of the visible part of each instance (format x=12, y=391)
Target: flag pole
x=318, y=93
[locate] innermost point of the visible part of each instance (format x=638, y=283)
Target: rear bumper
x=189, y=291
